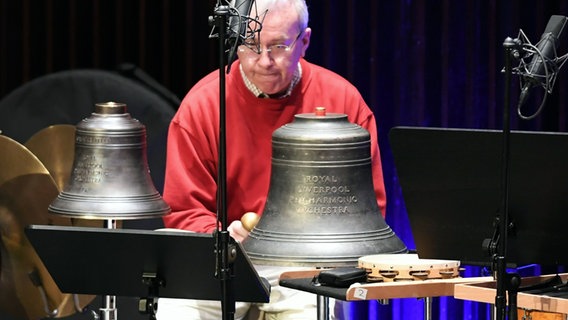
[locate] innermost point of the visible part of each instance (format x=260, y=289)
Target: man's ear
x=306, y=40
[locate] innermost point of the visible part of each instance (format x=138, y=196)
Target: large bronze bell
x=110, y=177
x=321, y=208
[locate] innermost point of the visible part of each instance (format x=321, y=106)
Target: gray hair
x=300, y=5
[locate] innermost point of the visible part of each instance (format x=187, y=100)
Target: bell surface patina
x=110, y=177
x=321, y=208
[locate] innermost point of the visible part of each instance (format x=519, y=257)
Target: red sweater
x=192, y=154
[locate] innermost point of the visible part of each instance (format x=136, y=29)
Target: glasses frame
x=258, y=50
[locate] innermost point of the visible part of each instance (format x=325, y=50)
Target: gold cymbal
x=55, y=148
x=26, y=190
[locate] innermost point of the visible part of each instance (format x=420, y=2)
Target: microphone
x=545, y=64
x=238, y=25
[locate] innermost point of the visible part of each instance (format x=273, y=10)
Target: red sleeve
x=190, y=182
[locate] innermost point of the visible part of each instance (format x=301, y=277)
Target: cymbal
x=26, y=190
x=55, y=148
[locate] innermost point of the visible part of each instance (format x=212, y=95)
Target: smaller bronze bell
x=110, y=178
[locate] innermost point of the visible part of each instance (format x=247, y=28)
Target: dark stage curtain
x=433, y=63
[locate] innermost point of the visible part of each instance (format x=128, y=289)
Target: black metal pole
x=225, y=251
x=500, y=260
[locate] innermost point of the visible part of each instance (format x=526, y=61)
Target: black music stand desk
x=452, y=189
x=119, y=262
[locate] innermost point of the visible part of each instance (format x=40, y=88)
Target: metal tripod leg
x=323, y=307
x=428, y=308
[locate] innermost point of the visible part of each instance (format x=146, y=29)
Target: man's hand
x=237, y=231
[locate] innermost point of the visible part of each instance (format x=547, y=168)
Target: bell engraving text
x=93, y=139
x=323, y=194
x=89, y=170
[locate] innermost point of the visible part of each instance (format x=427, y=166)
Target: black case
x=342, y=277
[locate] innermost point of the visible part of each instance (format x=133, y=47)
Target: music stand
x=451, y=184
x=140, y=263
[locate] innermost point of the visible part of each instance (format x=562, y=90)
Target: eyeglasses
x=275, y=51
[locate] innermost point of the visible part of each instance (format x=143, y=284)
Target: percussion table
x=303, y=280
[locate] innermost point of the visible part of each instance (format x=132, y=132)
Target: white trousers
x=285, y=303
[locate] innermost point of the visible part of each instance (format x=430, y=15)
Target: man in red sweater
x=264, y=90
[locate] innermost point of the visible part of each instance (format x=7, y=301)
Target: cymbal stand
x=36, y=280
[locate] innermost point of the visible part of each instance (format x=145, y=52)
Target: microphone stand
x=498, y=244
x=225, y=249
x=505, y=282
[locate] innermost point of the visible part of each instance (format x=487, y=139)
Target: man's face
x=272, y=72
